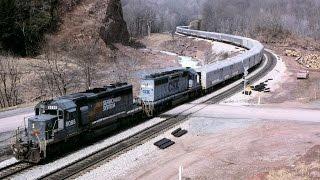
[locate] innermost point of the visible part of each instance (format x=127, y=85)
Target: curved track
x=82, y=165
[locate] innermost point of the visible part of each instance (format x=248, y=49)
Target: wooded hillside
x=271, y=18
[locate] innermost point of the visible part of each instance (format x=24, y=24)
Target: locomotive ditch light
x=35, y=132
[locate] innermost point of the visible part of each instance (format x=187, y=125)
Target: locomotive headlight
x=35, y=132
x=146, y=85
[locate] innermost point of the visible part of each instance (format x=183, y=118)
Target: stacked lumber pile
x=310, y=61
x=292, y=53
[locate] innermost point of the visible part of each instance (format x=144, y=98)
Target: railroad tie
x=164, y=143
x=179, y=132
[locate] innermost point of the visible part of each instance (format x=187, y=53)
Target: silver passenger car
x=215, y=73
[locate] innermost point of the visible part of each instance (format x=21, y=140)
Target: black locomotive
x=66, y=117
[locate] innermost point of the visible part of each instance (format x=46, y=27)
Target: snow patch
x=186, y=61
x=168, y=53
x=8, y=162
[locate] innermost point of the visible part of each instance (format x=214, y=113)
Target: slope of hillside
x=81, y=25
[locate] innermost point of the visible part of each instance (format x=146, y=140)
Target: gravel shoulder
x=10, y=121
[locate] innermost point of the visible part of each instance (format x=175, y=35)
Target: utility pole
x=149, y=28
x=173, y=33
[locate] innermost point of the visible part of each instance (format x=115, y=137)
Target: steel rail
x=13, y=169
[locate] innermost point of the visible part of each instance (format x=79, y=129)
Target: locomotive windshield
x=51, y=112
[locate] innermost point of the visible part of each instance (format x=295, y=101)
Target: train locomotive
x=65, y=117
x=105, y=109
x=168, y=88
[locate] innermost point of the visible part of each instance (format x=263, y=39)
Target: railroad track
x=82, y=165
x=13, y=169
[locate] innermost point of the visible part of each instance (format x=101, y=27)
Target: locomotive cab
x=52, y=120
x=193, y=78
x=65, y=118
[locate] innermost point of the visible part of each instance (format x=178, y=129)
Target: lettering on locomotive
x=174, y=85
x=110, y=103
x=70, y=123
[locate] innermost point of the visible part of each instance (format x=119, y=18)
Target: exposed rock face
x=114, y=28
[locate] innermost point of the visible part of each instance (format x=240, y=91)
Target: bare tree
x=124, y=67
x=272, y=19
x=159, y=16
x=10, y=75
x=55, y=73
x=86, y=54
x=210, y=57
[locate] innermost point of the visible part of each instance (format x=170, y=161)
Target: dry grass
x=307, y=167
x=300, y=172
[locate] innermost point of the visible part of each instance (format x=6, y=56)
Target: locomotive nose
x=19, y=151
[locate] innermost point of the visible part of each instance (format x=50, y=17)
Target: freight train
x=105, y=109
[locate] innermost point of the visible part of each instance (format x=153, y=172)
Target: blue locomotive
x=168, y=88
